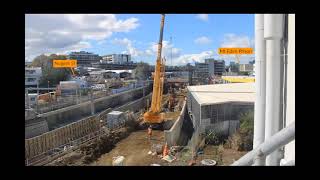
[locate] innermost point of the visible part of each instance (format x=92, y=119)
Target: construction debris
x=157, y=148
x=169, y=158
x=154, y=164
x=104, y=145
x=208, y=162
x=118, y=161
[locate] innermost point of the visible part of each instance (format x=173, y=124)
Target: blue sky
x=194, y=36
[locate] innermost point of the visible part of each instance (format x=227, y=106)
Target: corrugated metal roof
x=221, y=93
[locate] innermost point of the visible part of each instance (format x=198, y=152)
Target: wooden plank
x=64, y=137
x=60, y=137
x=40, y=144
x=30, y=148
x=27, y=146
x=54, y=138
x=68, y=133
x=49, y=141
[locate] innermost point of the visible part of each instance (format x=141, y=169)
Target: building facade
x=246, y=68
x=234, y=67
x=210, y=63
x=117, y=59
x=218, y=108
x=32, y=76
x=200, y=73
x=219, y=67
x=215, y=67
x=84, y=58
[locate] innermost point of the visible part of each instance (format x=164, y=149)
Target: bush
x=246, y=131
x=242, y=140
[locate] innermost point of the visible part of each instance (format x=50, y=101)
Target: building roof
x=221, y=93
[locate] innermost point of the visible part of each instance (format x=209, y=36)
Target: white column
x=260, y=83
x=272, y=33
x=290, y=114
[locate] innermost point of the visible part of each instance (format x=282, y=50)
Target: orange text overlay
x=235, y=51
x=65, y=63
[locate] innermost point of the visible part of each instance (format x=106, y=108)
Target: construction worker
x=150, y=132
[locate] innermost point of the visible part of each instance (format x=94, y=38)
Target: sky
x=187, y=38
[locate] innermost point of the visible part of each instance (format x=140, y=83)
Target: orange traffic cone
x=165, y=150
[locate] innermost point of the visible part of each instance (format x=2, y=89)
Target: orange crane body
x=154, y=115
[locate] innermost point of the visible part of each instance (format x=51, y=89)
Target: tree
x=142, y=71
x=53, y=75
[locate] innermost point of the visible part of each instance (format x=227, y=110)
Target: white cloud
x=203, y=17
x=191, y=58
x=128, y=44
x=166, y=50
x=53, y=33
x=202, y=40
x=233, y=40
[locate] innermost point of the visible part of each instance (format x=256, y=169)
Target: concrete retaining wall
x=53, y=139
x=171, y=136
x=136, y=105
x=57, y=137
x=36, y=129
x=73, y=113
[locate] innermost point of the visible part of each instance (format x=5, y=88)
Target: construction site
x=166, y=120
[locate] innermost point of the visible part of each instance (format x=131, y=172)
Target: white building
x=32, y=76
x=117, y=59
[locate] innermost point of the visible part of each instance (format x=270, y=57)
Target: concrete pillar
x=27, y=94
x=143, y=89
x=289, y=154
x=77, y=98
x=260, y=102
x=80, y=95
x=38, y=87
x=92, y=102
x=272, y=33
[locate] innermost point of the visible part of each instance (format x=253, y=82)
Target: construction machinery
x=154, y=115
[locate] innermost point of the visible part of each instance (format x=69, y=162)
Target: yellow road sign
x=69, y=63
x=235, y=51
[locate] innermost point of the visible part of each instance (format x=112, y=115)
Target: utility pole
x=48, y=86
x=171, y=49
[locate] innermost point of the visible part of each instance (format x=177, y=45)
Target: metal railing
x=277, y=141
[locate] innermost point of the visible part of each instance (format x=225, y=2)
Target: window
x=30, y=71
x=31, y=79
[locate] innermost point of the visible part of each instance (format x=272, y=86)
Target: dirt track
x=135, y=149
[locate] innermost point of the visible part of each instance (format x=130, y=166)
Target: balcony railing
x=277, y=141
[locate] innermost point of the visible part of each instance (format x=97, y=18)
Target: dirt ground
x=228, y=156
x=135, y=149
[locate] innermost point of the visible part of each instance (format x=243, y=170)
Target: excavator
x=154, y=115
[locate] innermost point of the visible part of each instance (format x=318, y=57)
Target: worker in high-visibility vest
x=150, y=132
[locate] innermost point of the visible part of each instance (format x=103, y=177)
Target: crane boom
x=154, y=115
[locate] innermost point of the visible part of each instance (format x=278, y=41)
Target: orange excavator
x=154, y=115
